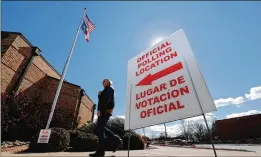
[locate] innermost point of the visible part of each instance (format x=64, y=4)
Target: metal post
x=166, y=136
x=145, y=139
x=210, y=136
x=129, y=121
x=129, y=144
x=63, y=75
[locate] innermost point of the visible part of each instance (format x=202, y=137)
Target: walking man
x=105, y=108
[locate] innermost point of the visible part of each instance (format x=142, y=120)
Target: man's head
x=106, y=82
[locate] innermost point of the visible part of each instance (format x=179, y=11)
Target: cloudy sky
x=225, y=37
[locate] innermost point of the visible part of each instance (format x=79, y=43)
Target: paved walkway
x=160, y=151
x=252, y=147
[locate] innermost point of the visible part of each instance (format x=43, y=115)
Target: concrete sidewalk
x=160, y=151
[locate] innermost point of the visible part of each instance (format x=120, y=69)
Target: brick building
x=24, y=70
x=246, y=127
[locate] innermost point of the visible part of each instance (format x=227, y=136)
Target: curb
x=226, y=149
x=194, y=147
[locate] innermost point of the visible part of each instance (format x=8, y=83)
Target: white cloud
x=229, y=101
x=210, y=114
x=172, y=130
x=255, y=93
x=121, y=116
x=199, y=119
x=251, y=112
x=157, y=128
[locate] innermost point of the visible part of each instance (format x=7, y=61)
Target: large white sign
x=165, y=84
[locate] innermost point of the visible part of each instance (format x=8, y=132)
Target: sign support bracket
x=209, y=133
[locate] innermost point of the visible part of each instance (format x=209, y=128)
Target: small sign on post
x=44, y=136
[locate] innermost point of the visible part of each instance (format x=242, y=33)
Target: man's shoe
x=119, y=144
x=97, y=154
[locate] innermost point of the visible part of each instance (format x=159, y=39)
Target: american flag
x=91, y=26
x=87, y=27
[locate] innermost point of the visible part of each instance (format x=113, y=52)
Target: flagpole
x=63, y=74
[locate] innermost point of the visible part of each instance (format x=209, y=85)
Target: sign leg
x=129, y=122
x=166, y=136
x=129, y=144
x=210, y=136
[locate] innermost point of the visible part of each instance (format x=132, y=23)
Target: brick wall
x=85, y=110
x=13, y=62
x=69, y=95
x=247, y=127
x=69, y=99
x=20, y=42
x=44, y=89
x=8, y=78
x=37, y=79
x=33, y=75
x=15, y=57
x=40, y=62
x=6, y=41
x=32, y=83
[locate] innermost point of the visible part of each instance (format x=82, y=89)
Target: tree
x=116, y=125
x=162, y=137
x=199, y=131
x=186, y=129
x=213, y=127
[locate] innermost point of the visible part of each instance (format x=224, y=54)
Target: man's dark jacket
x=106, y=99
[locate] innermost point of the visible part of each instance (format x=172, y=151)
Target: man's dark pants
x=104, y=133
